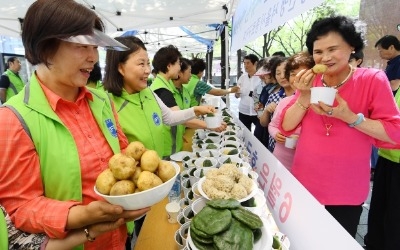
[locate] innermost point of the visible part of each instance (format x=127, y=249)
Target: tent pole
x=227, y=71
x=223, y=61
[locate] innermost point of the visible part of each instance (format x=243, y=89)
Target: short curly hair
x=339, y=24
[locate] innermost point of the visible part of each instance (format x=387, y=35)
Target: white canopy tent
x=156, y=21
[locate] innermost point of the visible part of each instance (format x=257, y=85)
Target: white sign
x=254, y=18
x=296, y=212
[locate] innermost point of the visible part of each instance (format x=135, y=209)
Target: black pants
x=261, y=133
x=347, y=216
x=247, y=120
x=384, y=213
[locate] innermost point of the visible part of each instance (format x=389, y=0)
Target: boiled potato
x=135, y=176
x=135, y=150
x=122, y=166
x=319, y=68
x=105, y=181
x=149, y=161
x=165, y=170
x=123, y=187
x=148, y=180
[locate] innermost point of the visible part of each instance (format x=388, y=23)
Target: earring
x=353, y=52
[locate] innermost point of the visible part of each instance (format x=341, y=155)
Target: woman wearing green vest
x=57, y=136
x=10, y=82
x=179, y=98
x=141, y=113
x=167, y=62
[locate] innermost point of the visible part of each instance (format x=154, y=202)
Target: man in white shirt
x=247, y=82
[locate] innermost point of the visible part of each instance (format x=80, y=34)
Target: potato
x=123, y=187
x=149, y=161
x=105, y=181
x=122, y=166
x=165, y=170
x=135, y=150
x=148, y=180
x=319, y=68
x=135, y=176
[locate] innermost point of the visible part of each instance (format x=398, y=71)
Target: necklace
x=328, y=127
x=340, y=84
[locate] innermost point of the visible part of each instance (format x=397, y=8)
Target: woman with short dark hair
x=332, y=157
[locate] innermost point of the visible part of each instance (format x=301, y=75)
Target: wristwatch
x=359, y=120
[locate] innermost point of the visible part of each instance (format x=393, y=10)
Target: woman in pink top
x=294, y=64
x=333, y=151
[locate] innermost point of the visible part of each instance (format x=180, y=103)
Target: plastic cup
x=172, y=211
x=291, y=141
x=178, y=240
x=213, y=121
x=323, y=94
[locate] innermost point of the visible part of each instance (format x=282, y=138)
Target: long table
x=157, y=232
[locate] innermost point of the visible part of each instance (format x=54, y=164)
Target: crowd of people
x=59, y=130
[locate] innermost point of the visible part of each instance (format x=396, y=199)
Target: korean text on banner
x=296, y=212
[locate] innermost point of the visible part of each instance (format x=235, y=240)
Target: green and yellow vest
x=16, y=84
x=174, y=142
x=392, y=154
x=191, y=86
x=3, y=231
x=141, y=119
x=32, y=108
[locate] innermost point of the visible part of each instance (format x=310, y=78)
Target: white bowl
x=210, y=146
x=232, y=144
x=198, y=205
x=145, y=198
x=260, y=207
x=201, y=133
x=212, y=139
x=232, y=138
x=214, y=153
x=201, y=181
x=196, y=193
x=235, y=159
x=226, y=150
x=213, y=134
x=197, y=173
x=199, y=162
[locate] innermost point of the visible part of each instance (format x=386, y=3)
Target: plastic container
x=174, y=194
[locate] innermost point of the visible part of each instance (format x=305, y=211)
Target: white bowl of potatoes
x=136, y=179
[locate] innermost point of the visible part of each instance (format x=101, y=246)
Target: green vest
x=16, y=84
x=60, y=169
x=191, y=86
x=173, y=143
x=392, y=154
x=3, y=231
x=96, y=85
x=141, y=119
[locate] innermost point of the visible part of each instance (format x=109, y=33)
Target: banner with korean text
x=296, y=212
x=254, y=18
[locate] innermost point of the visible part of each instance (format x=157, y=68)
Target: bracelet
x=88, y=237
x=359, y=120
x=301, y=106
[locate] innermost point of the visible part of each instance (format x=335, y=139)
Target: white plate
x=265, y=243
x=180, y=155
x=200, y=188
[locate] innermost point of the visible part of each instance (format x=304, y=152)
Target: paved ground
x=362, y=227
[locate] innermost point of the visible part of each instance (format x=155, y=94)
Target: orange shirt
x=21, y=186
